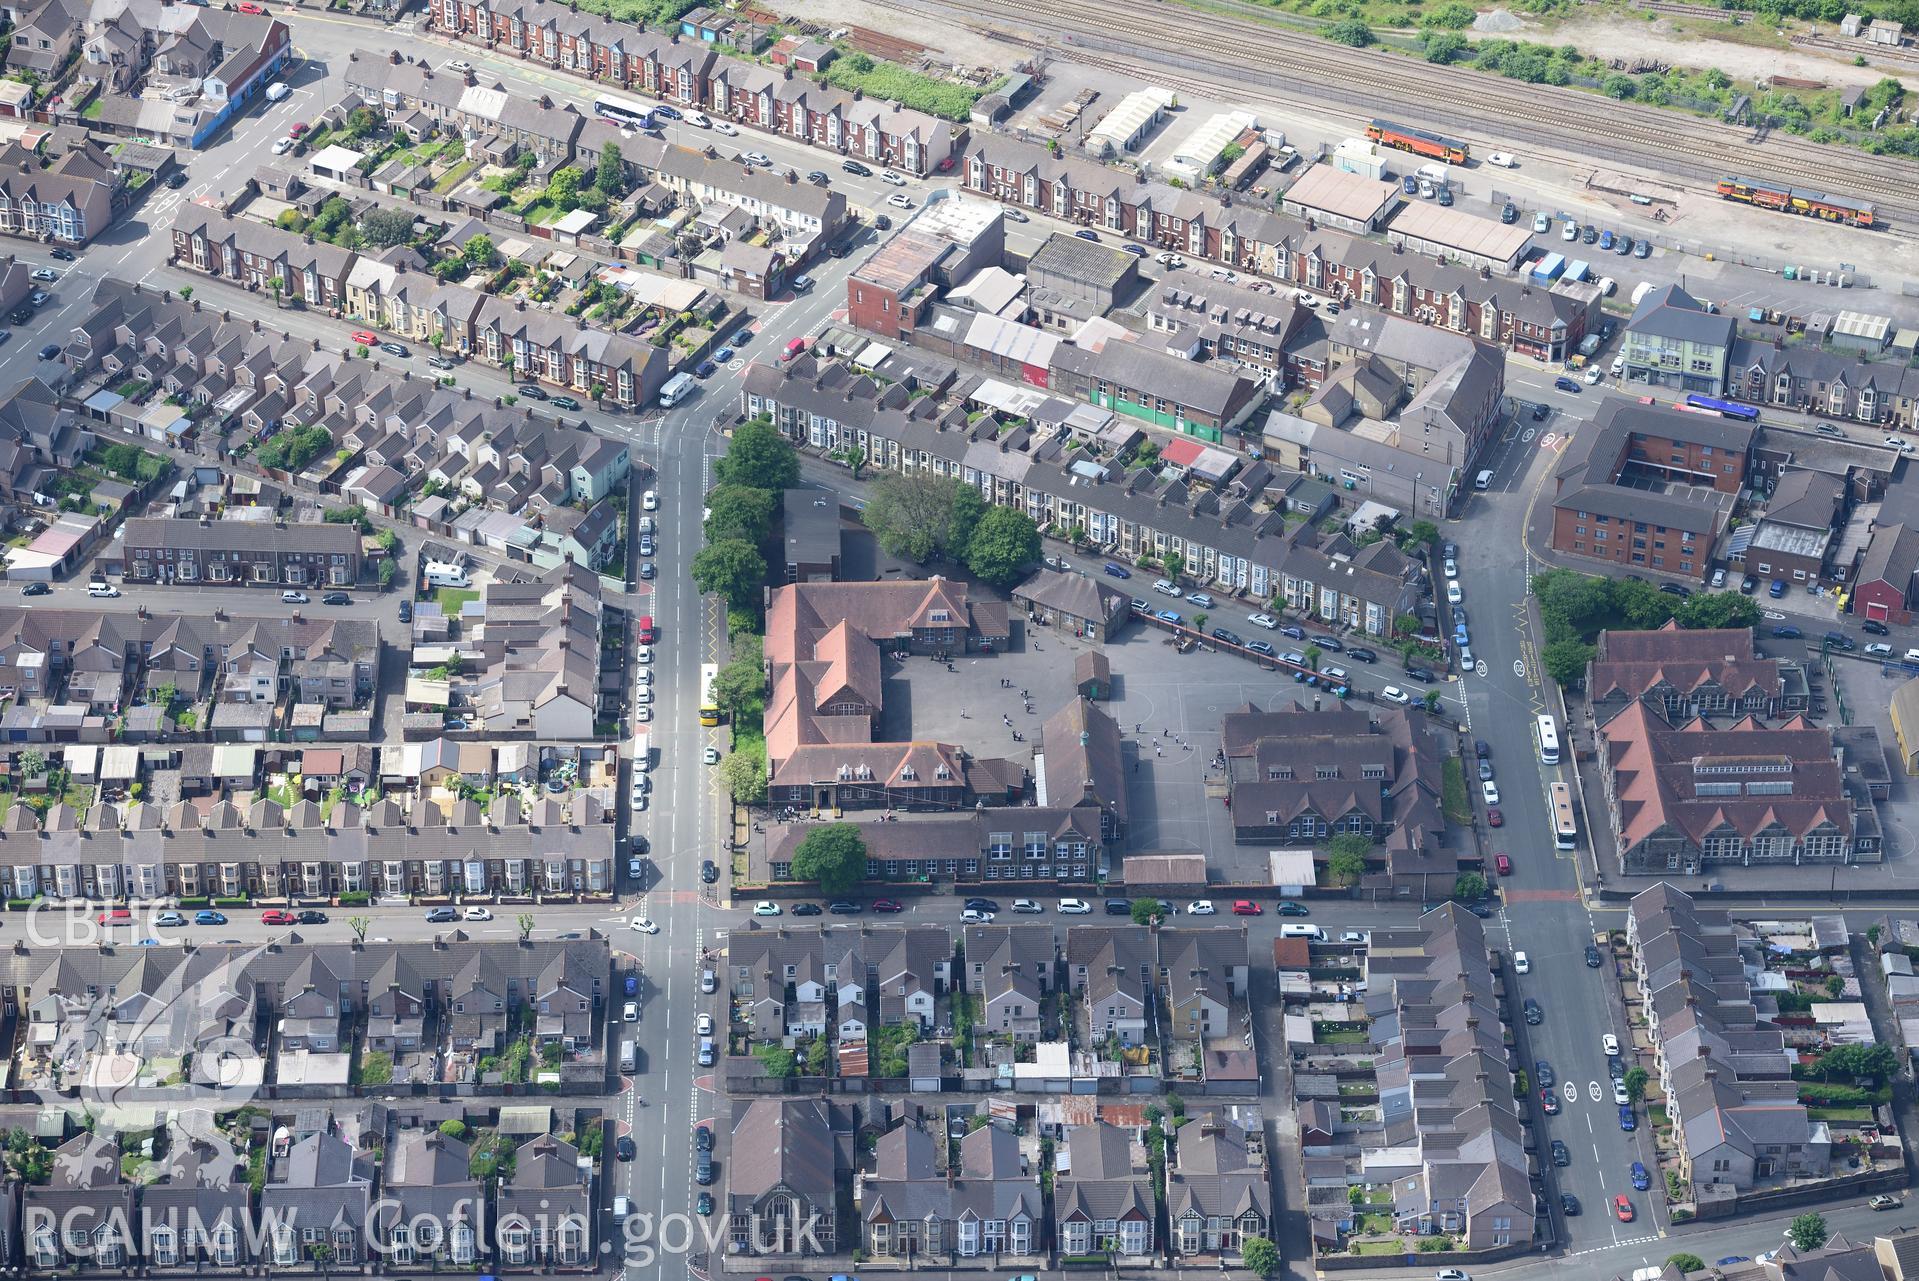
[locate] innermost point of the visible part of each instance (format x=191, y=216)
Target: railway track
x=1150, y=38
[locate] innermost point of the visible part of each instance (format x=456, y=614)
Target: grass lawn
x=454, y=177
x=1853, y=1115
x=1354, y=1037
x=1453, y=781
x=451, y=598
x=1380, y=1196
x=1375, y=1224
x=92, y=110
x=1380, y=1247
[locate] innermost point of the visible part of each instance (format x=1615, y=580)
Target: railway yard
x=1172, y=46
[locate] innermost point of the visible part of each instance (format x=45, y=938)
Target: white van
x=622, y=1207
x=677, y=388
x=445, y=573
x=1484, y=480
x=1295, y=931
x=278, y=92
x=698, y=120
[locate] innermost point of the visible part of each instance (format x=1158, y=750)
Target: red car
x=888, y=905
x=276, y=916
x=297, y=130
x=1623, y=1207
x=114, y=916
x=1246, y=907
x=1494, y=818
x=250, y=7
x=1548, y=1103
x=364, y=338
x=648, y=633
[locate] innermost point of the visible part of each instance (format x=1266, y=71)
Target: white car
x=1450, y=1274
x=631, y=1014
x=1074, y=907
x=973, y=916
x=459, y=64
x=1592, y=376
x=283, y=146
x=1352, y=936
x=899, y=200
x=1542, y=223
x=1263, y=620
x=1619, y=1094
x=650, y=501
x=1501, y=159
x=1453, y=593
x=711, y=756
x=293, y=598
x=1899, y=443
x=1912, y=656
x=1570, y=231
x=766, y=907
x=642, y=714
x=1490, y=790
x=1028, y=906
x=1201, y=907
x=1611, y=1043
x=704, y=1027
x=644, y=925
x=478, y=914
x=643, y=677
x=643, y=654
x=892, y=179
x=759, y=158
x=1521, y=964
x=644, y=694
x=1394, y=694
x=1452, y=568
x=721, y=126
x=102, y=591
x=1166, y=587
x=1879, y=650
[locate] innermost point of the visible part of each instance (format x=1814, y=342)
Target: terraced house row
x=1545, y=324
x=1224, y=539
x=692, y=73
x=553, y=348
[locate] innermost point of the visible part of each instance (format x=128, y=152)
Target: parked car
x=1562, y=1155
x=441, y=915
x=1534, y=1015
x=206, y=916
x=1640, y=1179
x=276, y=916
x=1592, y=956
x=1568, y=1205
x=1623, y=1208
x=1075, y=907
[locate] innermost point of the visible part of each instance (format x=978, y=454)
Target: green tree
x=1572, y=603
x=733, y=568
x=387, y=227
x=743, y=770
x=1635, y=1083
x=478, y=251
x=563, y=188
x=760, y=457
x=833, y=856
x=1350, y=32
x=1260, y=1256
x=1640, y=604
x=1620, y=87
x=1469, y=887
x=1807, y=1232
x=1346, y=857
x=1686, y=1262
x=453, y=1128
x=1175, y=565
x=917, y=516
x=740, y=685
x=33, y=763
x=524, y=922
x=741, y=512
x=1566, y=660
x=610, y=176
x=1442, y=47
x=1145, y=911
x=292, y=450
x=359, y=925
x=1718, y=609
x=1003, y=544
x=1451, y=16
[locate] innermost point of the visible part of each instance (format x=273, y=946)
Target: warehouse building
x=1128, y=125
x=1333, y=197
x=1439, y=232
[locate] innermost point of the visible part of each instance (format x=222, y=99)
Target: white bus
x=1547, y=735
x=1565, y=829
x=624, y=112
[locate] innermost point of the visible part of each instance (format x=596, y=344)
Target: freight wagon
x=1797, y=200
x=1418, y=141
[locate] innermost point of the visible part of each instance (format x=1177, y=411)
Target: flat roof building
x=1437, y=231
x=1200, y=152
x=1127, y=125
x=1350, y=201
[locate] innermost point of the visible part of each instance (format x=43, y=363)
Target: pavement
x=687, y=820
